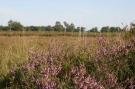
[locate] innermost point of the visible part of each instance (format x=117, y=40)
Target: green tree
x=4, y=28
x=77, y=29
x=95, y=29
x=69, y=27
x=49, y=28
x=32, y=28
x=83, y=29
x=15, y=26
x=58, y=27
x=114, y=29
x=66, y=26
x=105, y=29
x=72, y=27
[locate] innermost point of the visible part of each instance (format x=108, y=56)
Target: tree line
x=59, y=27
x=66, y=27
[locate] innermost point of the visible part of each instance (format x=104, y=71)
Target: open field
x=66, y=61
x=67, y=44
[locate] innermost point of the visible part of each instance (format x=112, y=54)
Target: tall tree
x=58, y=27
x=69, y=27
x=15, y=26
x=66, y=26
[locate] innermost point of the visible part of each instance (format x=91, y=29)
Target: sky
x=87, y=13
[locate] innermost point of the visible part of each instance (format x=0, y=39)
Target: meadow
x=58, y=60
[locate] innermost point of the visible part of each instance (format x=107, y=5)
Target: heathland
x=67, y=60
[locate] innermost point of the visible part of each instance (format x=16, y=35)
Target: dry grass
x=14, y=49
x=103, y=60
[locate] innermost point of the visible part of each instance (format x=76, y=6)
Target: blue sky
x=88, y=13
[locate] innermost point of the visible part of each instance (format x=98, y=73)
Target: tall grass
x=61, y=62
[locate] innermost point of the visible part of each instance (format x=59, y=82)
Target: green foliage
x=95, y=29
x=105, y=29
x=58, y=27
x=65, y=82
x=110, y=29
x=69, y=27
x=90, y=67
x=4, y=28
x=15, y=26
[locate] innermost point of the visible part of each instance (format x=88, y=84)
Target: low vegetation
x=51, y=60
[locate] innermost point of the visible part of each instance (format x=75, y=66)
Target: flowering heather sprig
x=114, y=51
x=40, y=70
x=115, y=56
x=82, y=80
x=102, y=41
x=49, y=70
x=46, y=81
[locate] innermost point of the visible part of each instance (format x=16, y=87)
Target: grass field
x=45, y=60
